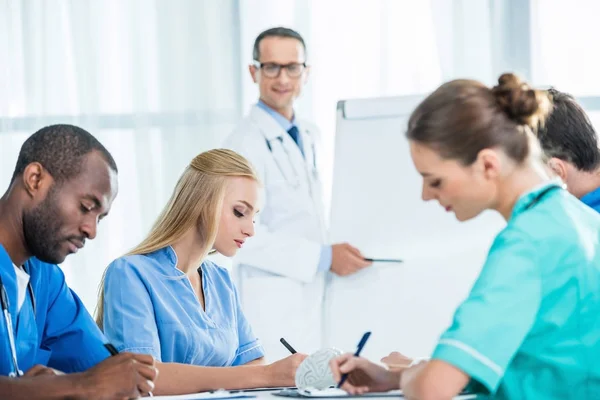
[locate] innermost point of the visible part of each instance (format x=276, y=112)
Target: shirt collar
x=592, y=199
x=166, y=258
x=281, y=120
x=534, y=195
x=9, y=279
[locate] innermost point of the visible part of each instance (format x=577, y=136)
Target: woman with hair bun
x=530, y=328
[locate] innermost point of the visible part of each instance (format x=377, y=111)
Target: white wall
x=377, y=207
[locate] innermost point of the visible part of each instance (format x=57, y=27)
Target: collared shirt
x=530, y=329
x=62, y=334
x=285, y=123
x=151, y=307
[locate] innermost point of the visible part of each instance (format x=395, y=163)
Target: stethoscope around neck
x=9, y=326
x=294, y=180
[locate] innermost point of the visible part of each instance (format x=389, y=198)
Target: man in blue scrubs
x=64, y=183
x=571, y=144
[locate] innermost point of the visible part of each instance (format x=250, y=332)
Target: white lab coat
x=281, y=291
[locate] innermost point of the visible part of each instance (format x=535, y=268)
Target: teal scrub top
x=530, y=328
x=151, y=307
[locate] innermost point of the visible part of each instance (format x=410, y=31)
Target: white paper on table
x=339, y=393
x=219, y=394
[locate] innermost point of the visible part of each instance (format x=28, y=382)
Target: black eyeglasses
x=272, y=70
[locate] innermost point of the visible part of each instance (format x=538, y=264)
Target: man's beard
x=41, y=229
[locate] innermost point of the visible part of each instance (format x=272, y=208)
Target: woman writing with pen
x=529, y=329
x=166, y=299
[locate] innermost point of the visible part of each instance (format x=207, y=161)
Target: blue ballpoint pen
x=359, y=348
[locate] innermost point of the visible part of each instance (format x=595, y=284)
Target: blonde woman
x=164, y=298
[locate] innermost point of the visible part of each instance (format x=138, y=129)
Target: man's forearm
x=41, y=387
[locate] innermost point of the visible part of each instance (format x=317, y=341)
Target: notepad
x=332, y=393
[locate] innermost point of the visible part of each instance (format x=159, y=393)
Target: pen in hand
x=359, y=348
x=113, y=352
x=287, y=346
x=111, y=349
x=384, y=260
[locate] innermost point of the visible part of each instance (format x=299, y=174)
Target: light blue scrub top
x=530, y=328
x=150, y=307
x=62, y=334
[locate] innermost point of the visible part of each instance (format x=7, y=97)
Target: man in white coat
x=281, y=272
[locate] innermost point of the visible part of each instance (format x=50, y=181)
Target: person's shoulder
x=552, y=227
x=561, y=215
x=47, y=275
x=245, y=131
x=214, y=267
x=247, y=141
x=129, y=265
x=513, y=234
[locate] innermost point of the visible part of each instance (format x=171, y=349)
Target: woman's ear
x=489, y=163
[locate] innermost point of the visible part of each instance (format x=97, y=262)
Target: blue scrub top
x=150, y=307
x=592, y=199
x=62, y=335
x=530, y=328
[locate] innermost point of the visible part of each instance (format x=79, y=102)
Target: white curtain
x=156, y=81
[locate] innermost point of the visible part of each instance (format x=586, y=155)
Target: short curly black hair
x=60, y=150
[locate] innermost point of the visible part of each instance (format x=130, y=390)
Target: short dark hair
x=60, y=149
x=280, y=32
x=568, y=133
x=463, y=117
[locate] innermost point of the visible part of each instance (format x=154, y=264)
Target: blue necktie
x=295, y=134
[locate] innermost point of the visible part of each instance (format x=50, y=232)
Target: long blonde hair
x=196, y=202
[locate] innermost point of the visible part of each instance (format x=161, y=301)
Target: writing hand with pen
x=358, y=375
x=121, y=376
x=363, y=375
x=283, y=372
